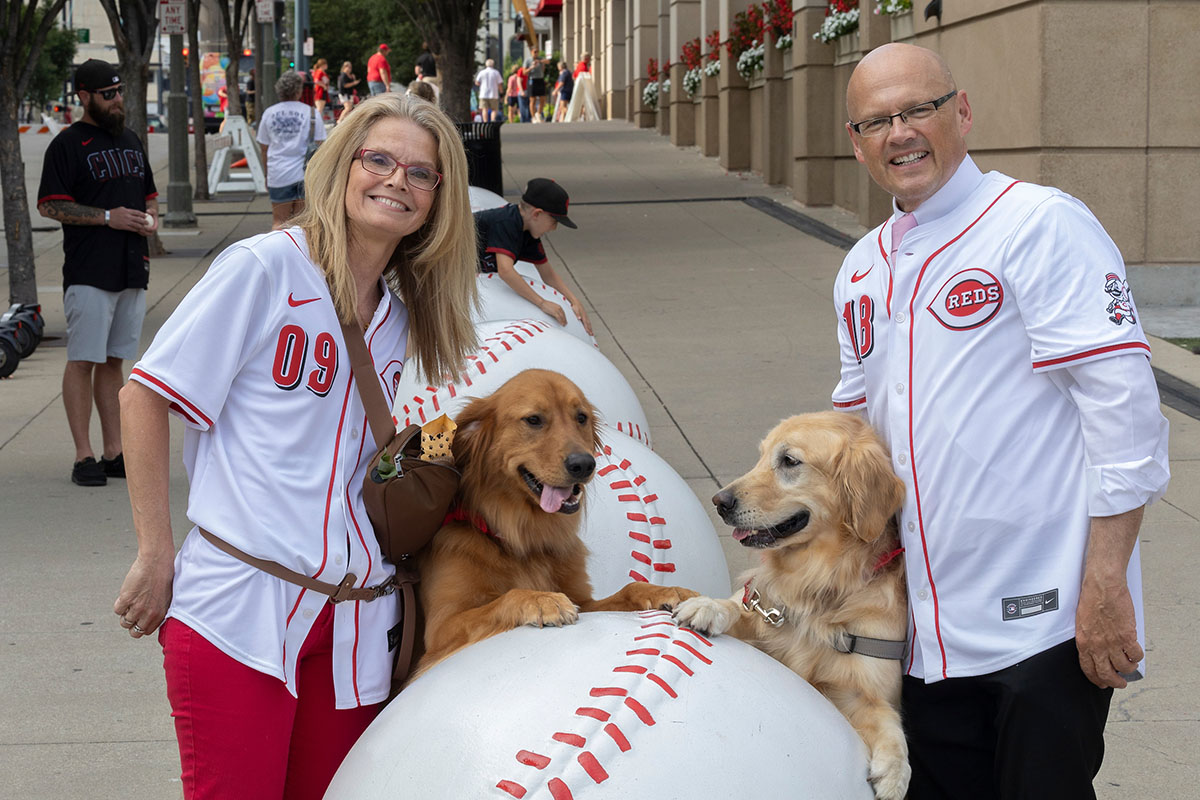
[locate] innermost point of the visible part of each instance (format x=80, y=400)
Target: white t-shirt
x=489, y=80
x=284, y=130
x=1002, y=360
x=276, y=444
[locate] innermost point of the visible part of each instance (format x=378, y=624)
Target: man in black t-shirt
x=513, y=233
x=96, y=181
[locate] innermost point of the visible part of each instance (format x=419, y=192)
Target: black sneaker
x=115, y=467
x=88, y=473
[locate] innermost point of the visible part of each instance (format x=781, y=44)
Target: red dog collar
x=458, y=514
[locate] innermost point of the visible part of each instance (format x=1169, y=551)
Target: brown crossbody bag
x=406, y=500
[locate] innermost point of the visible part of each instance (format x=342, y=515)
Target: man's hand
x=1105, y=628
x=130, y=219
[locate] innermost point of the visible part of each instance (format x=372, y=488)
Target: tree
x=235, y=19
x=337, y=42
x=134, y=25
x=451, y=27
x=23, y=31
x=53, y=67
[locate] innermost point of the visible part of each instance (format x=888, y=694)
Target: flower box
x=846, y=49
x=902, y=26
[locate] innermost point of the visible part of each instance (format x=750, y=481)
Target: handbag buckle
x=344, y=589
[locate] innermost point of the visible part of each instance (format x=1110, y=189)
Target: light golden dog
x=514, y=557
x=830, y=586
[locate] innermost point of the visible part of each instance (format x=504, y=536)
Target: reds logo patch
x=1121, y=308
x=968, y=300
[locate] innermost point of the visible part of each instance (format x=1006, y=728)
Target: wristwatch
x=107, y=216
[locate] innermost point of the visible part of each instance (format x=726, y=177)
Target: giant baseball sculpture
x=510, y=346
x=499, y=301
x=616, y=706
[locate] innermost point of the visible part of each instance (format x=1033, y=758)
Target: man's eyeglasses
x=418, y=177
x=109, y=94
x=918, y=113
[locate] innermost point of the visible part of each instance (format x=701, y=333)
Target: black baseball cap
x=547, y=195
x=95, y=74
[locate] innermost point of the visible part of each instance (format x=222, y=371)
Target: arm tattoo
x=69, y=212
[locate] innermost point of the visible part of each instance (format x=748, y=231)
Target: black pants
x=1033, y=730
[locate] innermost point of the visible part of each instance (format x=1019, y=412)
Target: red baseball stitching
x=414, y=408
x=651, y=547
x=565, y=745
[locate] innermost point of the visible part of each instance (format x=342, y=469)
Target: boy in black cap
x=513, y=232
x=96, y=181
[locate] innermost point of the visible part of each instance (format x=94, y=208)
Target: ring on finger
x=137, y=628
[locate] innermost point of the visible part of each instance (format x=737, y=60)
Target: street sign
x=83, y=35
x=265, y=10
x=172, y=16
x=307, y=48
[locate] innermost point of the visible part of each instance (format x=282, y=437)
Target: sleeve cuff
x=1116, y=488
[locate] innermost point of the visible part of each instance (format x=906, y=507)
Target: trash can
x=482, y=143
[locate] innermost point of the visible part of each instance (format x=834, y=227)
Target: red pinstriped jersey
x=275, y=447
x=949, y=351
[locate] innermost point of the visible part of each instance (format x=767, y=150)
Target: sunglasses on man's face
x=109, y=94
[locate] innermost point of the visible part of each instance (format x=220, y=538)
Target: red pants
x=242, y=734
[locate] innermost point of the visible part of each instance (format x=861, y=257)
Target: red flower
x=652, y=69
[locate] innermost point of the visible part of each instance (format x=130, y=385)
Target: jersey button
x=903, y=459
x=922, y=595
x=900, y=317
x=338, y=559
x=912, y=526
x=899, y=388
x=309, y=613
x=354, y=433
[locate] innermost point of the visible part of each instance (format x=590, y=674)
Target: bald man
x=988, y=333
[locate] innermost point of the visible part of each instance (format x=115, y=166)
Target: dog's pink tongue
x=553, y=497
x=741, y=533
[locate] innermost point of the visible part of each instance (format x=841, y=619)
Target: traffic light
x=291, y=63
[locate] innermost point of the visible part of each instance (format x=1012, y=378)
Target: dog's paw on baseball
x=889, y=773
x=547, y=610
x=705, y=615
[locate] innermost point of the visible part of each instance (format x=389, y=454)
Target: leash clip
x=751, y=602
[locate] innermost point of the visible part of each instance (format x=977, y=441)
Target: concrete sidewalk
x=718, y=314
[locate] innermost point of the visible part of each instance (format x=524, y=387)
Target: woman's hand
x=145, y=594
x=582, y=316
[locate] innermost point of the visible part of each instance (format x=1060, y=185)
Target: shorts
x=564, y=95
x=537, y=87
x=512, y=99
x=103, y=325
x=490, y=103
x=286, y=194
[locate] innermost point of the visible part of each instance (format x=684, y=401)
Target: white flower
x=751, y=60
x=691, y=81
x=784, y=42
x=712, y=68
x=650, y=95
x=838, y=23
x=892, y=7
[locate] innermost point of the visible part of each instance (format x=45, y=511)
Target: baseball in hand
x=149, y=220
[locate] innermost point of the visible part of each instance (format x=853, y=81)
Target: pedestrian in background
x=562, y=92
x=346, y=81
x=428, y=64
x=997, y=351
x=425, y=91
x=251, y=97
x=270, y=684
x=379, y=72
x=488, y=80
x=284, y=132
x=537, y=88
x=523, y=97
x=512, y=95
x=97, y=182
x=320, y=79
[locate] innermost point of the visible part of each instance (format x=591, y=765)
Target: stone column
x=708, y=112
x=685, y=22
x=815, y=123
x=644, y=37
x=734, y=100
x=614, y=58
x=774, y=125
x=663, y=55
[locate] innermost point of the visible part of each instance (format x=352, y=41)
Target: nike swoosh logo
x=855, y=278
x=294, y=303
x=88, y=141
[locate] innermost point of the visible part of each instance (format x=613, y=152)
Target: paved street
x=717, y=313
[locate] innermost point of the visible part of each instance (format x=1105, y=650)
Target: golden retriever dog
x=828, y=597
x=512, y=554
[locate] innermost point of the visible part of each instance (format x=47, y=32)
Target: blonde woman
x=271, y=684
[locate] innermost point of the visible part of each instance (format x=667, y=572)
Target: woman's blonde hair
x=433, y=269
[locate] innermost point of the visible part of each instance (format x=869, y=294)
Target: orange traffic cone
x=241, y=162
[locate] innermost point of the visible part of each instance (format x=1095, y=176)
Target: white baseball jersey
x=964, y=355
x=276, y=445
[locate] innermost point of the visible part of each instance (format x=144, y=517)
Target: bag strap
x=312, y=124
x=336, y=592
x=378, y=414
